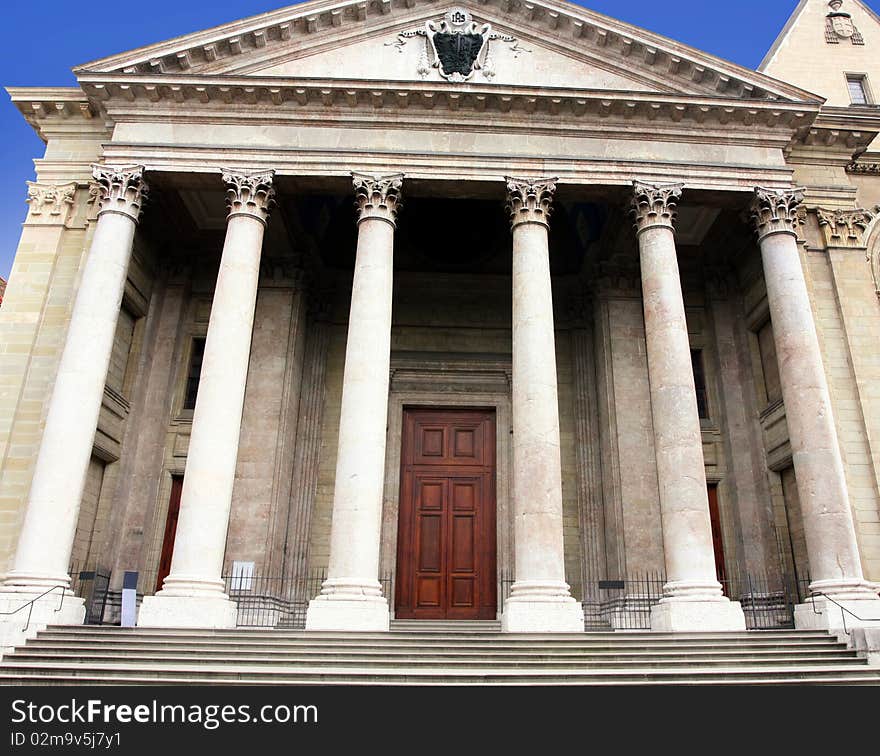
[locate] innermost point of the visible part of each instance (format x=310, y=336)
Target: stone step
x=501, y=645
x=420, y=662
x=263, y=630
x=109, y=680
x=13, y=673
x=43, y=648
x=418, y=626
x=109, y=632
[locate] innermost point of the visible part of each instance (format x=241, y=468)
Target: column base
x=683, y=616
x=366, y=614
x=15, y=629
x=188, y=611
x=826, y=615
x=555, y=615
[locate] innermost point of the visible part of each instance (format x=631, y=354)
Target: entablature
x=209, y=98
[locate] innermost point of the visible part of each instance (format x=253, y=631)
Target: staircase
x=429, y=653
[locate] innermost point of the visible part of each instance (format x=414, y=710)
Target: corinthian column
x=540, y=600
x=351, y=597
x=829, y=531
x=193, y=594
x=692, y=598
x=46, y=539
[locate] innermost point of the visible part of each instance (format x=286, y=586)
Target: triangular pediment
x=532, y=44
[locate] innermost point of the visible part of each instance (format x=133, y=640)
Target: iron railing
x=622, y=604
x=268, y=601
x=281, y=602
x=767, y=602
x=843, y=610
x=29, y=605
x=92, y=585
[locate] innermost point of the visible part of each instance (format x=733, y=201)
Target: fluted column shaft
x=351, y=597
x=193, y=594
x=46, y=540
x=684, y=501
x=829, y=530
x=540, y=599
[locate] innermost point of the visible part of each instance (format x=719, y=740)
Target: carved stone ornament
x=863, y=168
x=655, y=205
x=51, y=202
x=845, y=228
x=121, y=189
x=775, y=211
x=530, y=200
x=378, y=197
x=457, y=46
x=249, y=193
x=872, y=253
x=839, y=25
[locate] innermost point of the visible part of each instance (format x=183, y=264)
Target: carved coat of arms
x=456, y=46
x=839, y=25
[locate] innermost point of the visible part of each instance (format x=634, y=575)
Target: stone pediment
x=531, y=44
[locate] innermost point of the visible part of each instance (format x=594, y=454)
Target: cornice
x=839, y=133
x=341, y=94
x=559, y=20
x=67, y=108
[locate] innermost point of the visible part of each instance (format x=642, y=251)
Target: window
x=858, y=89
x=700, y=383
x=124, y=356
x=769, y=365
x=195, y=371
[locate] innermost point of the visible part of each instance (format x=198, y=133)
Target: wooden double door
x=446, y=553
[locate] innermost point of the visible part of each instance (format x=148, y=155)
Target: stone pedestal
x=692, y=599
x=193, y=594
x=25, y=623
x=866, y=641
x=44, y=546
x=351, y=597
x=829, y=530
x=539, y=600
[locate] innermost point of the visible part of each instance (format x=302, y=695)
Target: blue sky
x=44, y=40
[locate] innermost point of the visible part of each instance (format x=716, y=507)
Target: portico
x=539, y=335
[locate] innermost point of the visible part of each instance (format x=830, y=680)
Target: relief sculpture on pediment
x=456, y=46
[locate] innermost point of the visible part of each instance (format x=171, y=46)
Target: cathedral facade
x=511, y=311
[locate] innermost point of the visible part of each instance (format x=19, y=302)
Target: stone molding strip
x=429, y=95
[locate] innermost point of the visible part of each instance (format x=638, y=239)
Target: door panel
x=446, y=531
x=170, y=530
x=717, y=541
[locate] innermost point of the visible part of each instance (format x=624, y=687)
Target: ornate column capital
x=845, y=228
x=655, y=205
x=122, y=189
x=378, y=197
x=775, y=211
x=51, y=203
x=530, y=200
x=249, y=193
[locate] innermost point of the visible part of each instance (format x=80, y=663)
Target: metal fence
x=92, y=585
x=767, y=602
x=622, y=604
x=281, y=602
